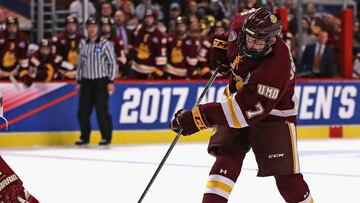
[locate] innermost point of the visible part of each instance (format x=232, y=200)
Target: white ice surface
x=121, y=173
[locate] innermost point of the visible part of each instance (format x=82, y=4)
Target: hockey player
x=11, y=187
x=149, y=57
x=42, y=66
x=66, y=47
x=108, y=33
x=259, y=112
x=13, y=49
x=204, y=53
x=182, y=49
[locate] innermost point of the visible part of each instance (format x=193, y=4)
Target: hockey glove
x=189, y=121
x=27, y=80
x=218, y=55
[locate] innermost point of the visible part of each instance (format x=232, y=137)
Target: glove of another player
x=189, y=121
x=27, y=80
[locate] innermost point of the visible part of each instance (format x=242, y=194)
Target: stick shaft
x=207, y=87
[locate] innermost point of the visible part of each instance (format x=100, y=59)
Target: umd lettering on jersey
x=267, y=91
x=221, y=44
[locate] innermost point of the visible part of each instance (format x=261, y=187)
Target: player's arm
x=249, y=105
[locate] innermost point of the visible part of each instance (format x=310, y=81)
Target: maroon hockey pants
x=226, y=170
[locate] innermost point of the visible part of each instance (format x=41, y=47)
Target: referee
x=95, y=74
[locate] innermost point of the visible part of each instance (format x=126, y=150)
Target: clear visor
x=254, y=44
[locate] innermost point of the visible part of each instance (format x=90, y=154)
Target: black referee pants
x=94, y=93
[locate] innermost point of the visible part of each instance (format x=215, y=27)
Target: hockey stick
x=207, y=87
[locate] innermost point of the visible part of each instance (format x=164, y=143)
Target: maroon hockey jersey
x=119, y=51
x=66, y=50
x=259, y=89
x=43, y=70
x=150, y=51
x=13, y=54
x=182, y=55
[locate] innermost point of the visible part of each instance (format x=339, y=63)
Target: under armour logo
x=223, y=171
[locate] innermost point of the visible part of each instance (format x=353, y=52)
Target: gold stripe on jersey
x=233, y=114
x=198, y=120
x=221, y=44
x=227, y=92
x=293, y=138
x=160, y=60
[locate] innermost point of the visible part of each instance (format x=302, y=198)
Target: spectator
x=118, y=4
x=318, y=59
x=96, y=73
x=307, y=36
x=175, y=12
x=194, y=27
x=42, y=67
x=271, y=4
x=144, y=6
x=249, y=4
x=149, y=57
x=356, y=35
x=203, y=8
x=129, y=10
x=196, y=9
x=108, y=32
x=66, y=47
x=182, y=52
x=76, y=8
x=356, y=66
x=332, y=25
x=311, y=11
x=133, y=23
x=225, y=6
x=217, y=11
x=106, y=10
x=192, y=9
x=2, y=20
x=13, y=50
x=121, y=31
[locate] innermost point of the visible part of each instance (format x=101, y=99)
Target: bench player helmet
x=261, y=25
x=12, y=20
x=71, y=19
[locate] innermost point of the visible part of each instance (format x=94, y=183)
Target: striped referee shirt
x=96, y=60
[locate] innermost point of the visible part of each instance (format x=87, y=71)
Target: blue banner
x=151, y=105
